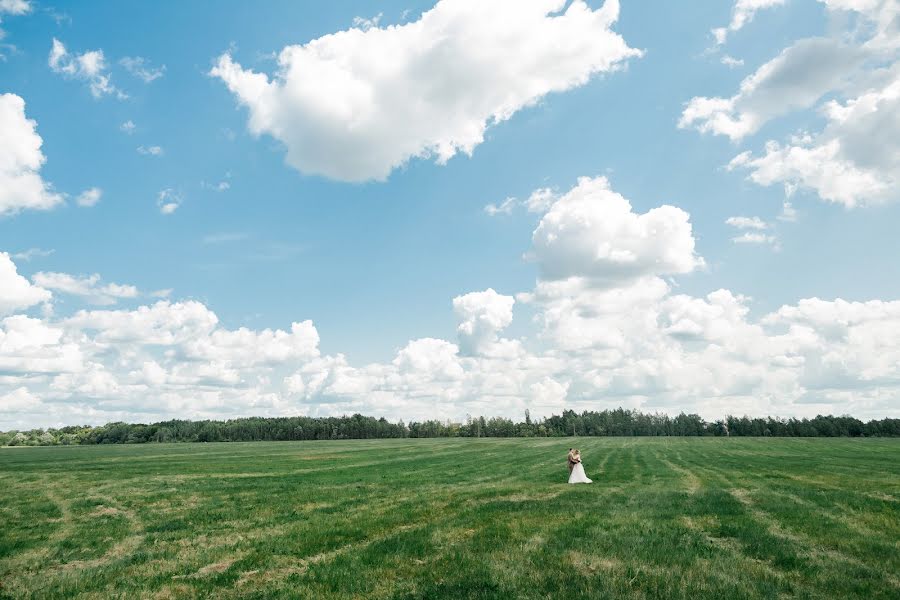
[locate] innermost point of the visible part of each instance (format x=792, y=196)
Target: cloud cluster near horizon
x=609, y=326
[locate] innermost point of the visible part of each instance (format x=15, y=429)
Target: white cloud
x=539, y=201
x=89, y=197
x=16, y=292
x=592, y=232
x=366, y=24
x=11, y=7
x=128, y=127
x=27, y=255
x=221, y=186
x=15, y=7
x=750, y=237
x=731, y=62
x=168, y=201
x=21, y=159
x=89, y=67
x=87, y=287
x=141, y=68
x=504, y=208
x=788, y=212
x=20, y=400
x=742, y=13
x=162, y=324
x=150, y=150
x=482, y=316
x=246, y=347
x=30, y=347
x=356, y=104
x=755, y=236
x=880, y=27
x=746, y=222
x=854, y=161
x=793, y=80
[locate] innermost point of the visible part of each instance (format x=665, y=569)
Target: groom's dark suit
x=571, y=459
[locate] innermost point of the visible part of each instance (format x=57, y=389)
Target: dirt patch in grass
x=217, y=567
x=210, y=569
x=124, y=548
x=449, y=537
x=591, y=562
x=106, y=511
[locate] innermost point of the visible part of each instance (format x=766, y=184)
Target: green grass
x=462, y=518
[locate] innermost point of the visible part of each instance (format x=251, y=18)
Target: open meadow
x=453, y=518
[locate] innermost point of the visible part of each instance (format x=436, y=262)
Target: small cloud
x=15, y=7
x=788, y=212
x=27, y=255
x=150, y=150
x=11, y=7
x=87, y=287
x=140, y=68
x=732, y=62
x=58, y=17
x=89, y=67
x=540, y=200
x=504, y=208
x=4, y=48
x=89, y=197
x=720, y=34
x=750, y=237
x=741, y=14
x=218, y=187
x=127, y=127
x=168, y=201
x=162, y=293
x=366, y=24
x=747, y=223
x=755, y=235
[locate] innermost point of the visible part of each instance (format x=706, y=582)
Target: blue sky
x=264, y=240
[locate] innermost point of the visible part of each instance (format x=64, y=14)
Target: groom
x=571, y=459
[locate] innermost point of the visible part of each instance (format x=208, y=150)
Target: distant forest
x=618, y=422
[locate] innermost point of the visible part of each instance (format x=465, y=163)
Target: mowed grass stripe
x=801, y=535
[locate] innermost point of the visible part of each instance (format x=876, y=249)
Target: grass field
x=462, y=518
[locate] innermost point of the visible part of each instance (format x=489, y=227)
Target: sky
x=419, y=210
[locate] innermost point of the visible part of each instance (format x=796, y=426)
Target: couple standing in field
x=576, y=469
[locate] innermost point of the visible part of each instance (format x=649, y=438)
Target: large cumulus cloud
x=356, y=104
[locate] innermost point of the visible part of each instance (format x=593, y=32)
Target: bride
x=578, y=475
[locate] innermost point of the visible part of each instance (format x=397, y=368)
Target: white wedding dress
x=578, y=475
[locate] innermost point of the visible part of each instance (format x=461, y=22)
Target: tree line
x=617, y=422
